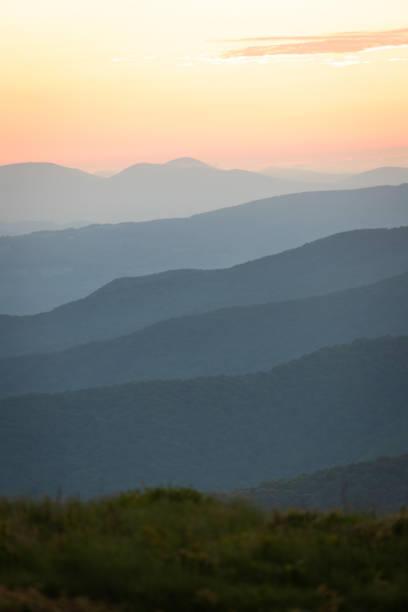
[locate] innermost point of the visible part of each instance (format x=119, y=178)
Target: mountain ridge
x=378, y=486
x=338, y=405
x=43, y=270
x=232, y=341
x=53, y=193
x=334, y=263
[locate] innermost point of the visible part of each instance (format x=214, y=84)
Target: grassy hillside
x=46, y=269
x=380, y=486
x=333, y=407
x=125, y=305
x=230, y=341
x=177, y=550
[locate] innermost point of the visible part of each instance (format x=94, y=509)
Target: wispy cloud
x=344, y=61
x=342, y=42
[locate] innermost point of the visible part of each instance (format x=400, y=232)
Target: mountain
x=336, y=406
x=125, y=305
x=45, y=269
x=228, y=341
x=187, y=186
x=187, y=162
x=45, y=193
x=317, y=179
x=49, y=193
x=386, y=175
x=27, y=227
x=380, y=486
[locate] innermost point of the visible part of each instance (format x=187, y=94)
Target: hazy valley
x=215, y=331
x=203, y=306
x=45, y=269
x=335, y=406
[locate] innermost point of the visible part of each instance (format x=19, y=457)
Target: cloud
x=342, y=63
x=342, y=42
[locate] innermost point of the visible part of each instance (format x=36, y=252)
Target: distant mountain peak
x=385, y=170
x=187, y=162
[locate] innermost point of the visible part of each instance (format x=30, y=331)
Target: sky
x=101, y=85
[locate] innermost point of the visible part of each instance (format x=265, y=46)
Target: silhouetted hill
x=386, y=175
x=45, y=269
x=228, y=341
x=45, y=192
x=187, y=162
x=27, y=227
x=187, y=186
x=297, y=173
x=48, y=194
x=339, y=405
x=128, y=304
x=380, y=485
x=51, y=193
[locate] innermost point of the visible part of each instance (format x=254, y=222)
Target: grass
x=175, y=549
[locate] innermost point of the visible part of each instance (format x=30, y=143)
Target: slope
x=45, y=269
x=228, y=341
x=379, y=486
x=385, y=175
x=125, y=305
x=50, y=193
x=336, y=406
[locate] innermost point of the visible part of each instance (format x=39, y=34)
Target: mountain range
x=45, y=269
x=386, y=175
x=223, y=333
x=229, y=341
x=336, y=406
x=342, y=261
x=51, y=194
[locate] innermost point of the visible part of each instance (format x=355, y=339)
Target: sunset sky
x=100, y=85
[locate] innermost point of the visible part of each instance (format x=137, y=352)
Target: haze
x=100, y=86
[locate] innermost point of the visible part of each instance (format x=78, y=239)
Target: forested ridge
x=335, y=263
x=172, y=441
x=45, y=269
x=229, y=341
x=378, y=487
x=335, y=406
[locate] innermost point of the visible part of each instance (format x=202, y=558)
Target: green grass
x=175, y=549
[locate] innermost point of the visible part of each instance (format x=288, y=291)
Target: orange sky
x=101, y=85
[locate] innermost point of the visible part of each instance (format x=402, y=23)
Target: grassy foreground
x=174, y=549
